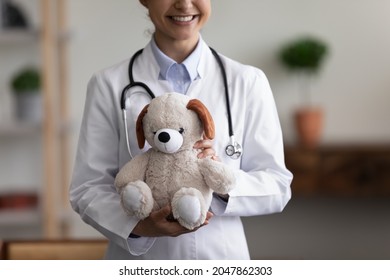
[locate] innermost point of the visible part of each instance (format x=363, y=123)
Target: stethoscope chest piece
x=233, y=150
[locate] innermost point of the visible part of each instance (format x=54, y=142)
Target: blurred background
x=341, y=191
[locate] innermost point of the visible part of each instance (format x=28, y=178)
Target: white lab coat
x=263, y=182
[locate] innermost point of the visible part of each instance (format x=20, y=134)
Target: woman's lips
x=182, y=18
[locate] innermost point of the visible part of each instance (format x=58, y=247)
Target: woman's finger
x=203, y=144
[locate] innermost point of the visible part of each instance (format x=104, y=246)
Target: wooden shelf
x=19, y=205
x=340, y=170
x=25, y=217
x=18, y=36
x=15, y=128
x=50, y=47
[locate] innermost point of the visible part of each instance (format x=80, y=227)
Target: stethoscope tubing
x=151, y=94
x=225, y=83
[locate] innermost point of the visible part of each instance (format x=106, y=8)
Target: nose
x=183, y=4
x=164, y=137
x=168, y=140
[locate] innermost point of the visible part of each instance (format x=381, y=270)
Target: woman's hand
x=158, y=224
x=206, y=147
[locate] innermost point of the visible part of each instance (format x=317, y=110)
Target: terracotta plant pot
x=309, y=125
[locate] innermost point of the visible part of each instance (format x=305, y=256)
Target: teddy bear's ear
x=204, y=115
x=140, y=129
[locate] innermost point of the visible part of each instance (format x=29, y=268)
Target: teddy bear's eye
x=181, y=130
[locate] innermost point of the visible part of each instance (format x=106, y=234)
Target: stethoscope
x=233, y=149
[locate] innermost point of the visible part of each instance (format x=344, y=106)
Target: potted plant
x=26, y=86
x=304, y=56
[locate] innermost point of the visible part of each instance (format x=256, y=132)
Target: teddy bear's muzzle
x=168, y=140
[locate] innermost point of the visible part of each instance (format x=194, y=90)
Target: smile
x=183, y=18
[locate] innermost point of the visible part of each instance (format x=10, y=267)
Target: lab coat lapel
x=146, y=70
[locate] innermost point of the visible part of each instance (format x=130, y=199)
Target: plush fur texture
x=170, y=172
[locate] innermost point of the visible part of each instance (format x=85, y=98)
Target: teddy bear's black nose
x=164, y=137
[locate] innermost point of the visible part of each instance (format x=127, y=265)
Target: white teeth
x=182, y=19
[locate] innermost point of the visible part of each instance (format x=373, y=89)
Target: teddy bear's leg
x=137, y=199
x=189, y=208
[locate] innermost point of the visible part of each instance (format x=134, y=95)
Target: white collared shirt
x=179, y=75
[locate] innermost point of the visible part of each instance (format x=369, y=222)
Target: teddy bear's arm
x=218, y=176
x=132, y=171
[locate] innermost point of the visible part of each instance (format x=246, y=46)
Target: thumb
x=163, y=212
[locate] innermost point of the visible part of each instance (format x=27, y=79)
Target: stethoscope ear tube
x=123, y=97
x=133, y=83
x=126, y=132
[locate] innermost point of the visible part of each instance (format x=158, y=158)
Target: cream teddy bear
x=170, y=171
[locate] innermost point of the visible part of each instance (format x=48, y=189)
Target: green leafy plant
x=306, y=53
x=27, y=80
x=305, y=57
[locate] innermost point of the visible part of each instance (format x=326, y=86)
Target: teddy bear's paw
x=137, y=199
x=188, y=208
x=218, y=176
